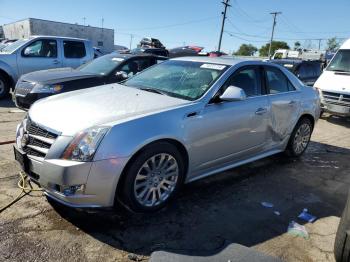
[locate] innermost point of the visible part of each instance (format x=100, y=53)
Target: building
x=100, y=37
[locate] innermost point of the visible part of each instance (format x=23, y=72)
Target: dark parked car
x=154, y=51
x=106, y=69
x=342, y=238
x=306, y=71
x=185, y=51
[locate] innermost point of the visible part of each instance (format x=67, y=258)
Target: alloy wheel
x=301, y=138
x=156, y=180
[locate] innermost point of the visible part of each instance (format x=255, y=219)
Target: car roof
x=225, y=60
x=128, y=56
x=58, y=37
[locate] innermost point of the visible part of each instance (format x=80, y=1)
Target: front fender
x=9, y=71
x=125, y=139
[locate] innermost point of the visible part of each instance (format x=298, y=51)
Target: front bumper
x=335, y=109
x=99, y=180
x=25, y=101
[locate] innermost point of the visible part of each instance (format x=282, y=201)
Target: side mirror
x=233, y=93
x=121, y=75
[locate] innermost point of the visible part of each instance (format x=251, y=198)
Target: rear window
x=74, y=49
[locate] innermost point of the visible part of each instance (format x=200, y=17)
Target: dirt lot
x=208, y=214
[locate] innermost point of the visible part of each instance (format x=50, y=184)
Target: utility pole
x=273, y=29
x=131, y=37
x=319, y=44
x=226, y=4
x=84, y=19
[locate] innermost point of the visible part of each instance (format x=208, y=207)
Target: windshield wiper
x=340, y=71
x=157, y=91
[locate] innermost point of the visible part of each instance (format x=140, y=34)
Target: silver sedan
x=181, y=120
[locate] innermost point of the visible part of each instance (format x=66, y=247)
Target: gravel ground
x=207, y=215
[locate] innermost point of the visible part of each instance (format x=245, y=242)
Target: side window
x=276, y=81
x=247, y=79
x=74, y=49
x=41, y=48
x=134, y=66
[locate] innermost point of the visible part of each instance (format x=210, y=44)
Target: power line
x=243, y=33
x=171, y=25
x=248, y=40
x=226, y=4
x=242, y=11
x=273, y=29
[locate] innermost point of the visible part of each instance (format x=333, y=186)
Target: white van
x=334, y=83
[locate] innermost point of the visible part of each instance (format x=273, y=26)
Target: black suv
x=306, y=71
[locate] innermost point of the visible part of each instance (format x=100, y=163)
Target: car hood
x=333, y=82
x=72, y=112
x=5, y=57
x=56, y=75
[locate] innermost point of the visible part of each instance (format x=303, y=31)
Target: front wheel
x=300, y=138
x=153, y=177
x=4, y=87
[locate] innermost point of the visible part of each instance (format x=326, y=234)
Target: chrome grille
x=336, y=98
x=39, y=140
x=23, y=88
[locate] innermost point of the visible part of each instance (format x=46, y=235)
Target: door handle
x=56, y=62
x=291, y=103
x=260, y=111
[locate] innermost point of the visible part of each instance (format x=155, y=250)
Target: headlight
x=40, y=88
x=84, y=144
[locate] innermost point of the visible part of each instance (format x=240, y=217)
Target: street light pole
x=273, y=29
x=226, y=4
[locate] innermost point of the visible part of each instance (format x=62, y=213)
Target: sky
x=196, y=22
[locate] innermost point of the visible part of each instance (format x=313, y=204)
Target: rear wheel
x=153, y=178
x=4, y=86
x=300, y=138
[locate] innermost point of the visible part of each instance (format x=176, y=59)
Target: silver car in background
x=178, y=121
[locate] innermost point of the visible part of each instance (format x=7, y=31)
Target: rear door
x=74, y=53
x=284, y=100
x=39, y=54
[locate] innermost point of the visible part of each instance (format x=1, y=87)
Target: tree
x=264, y=50
x=246, y=50
x=332, y=44
x=297, y=45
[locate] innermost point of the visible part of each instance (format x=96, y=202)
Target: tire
x=292, y=149
x=4, y=86
x=145, y=175
x=342, y=238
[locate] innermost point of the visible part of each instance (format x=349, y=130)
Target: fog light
x=72, y=190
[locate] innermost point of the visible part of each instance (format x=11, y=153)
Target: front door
x=40, y=54
x=226, y=132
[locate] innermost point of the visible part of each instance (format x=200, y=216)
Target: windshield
x=13, y=46
x=102, y=65
x=340, y=62
x=183, y=79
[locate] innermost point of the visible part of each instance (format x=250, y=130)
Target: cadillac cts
x=181, y=120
